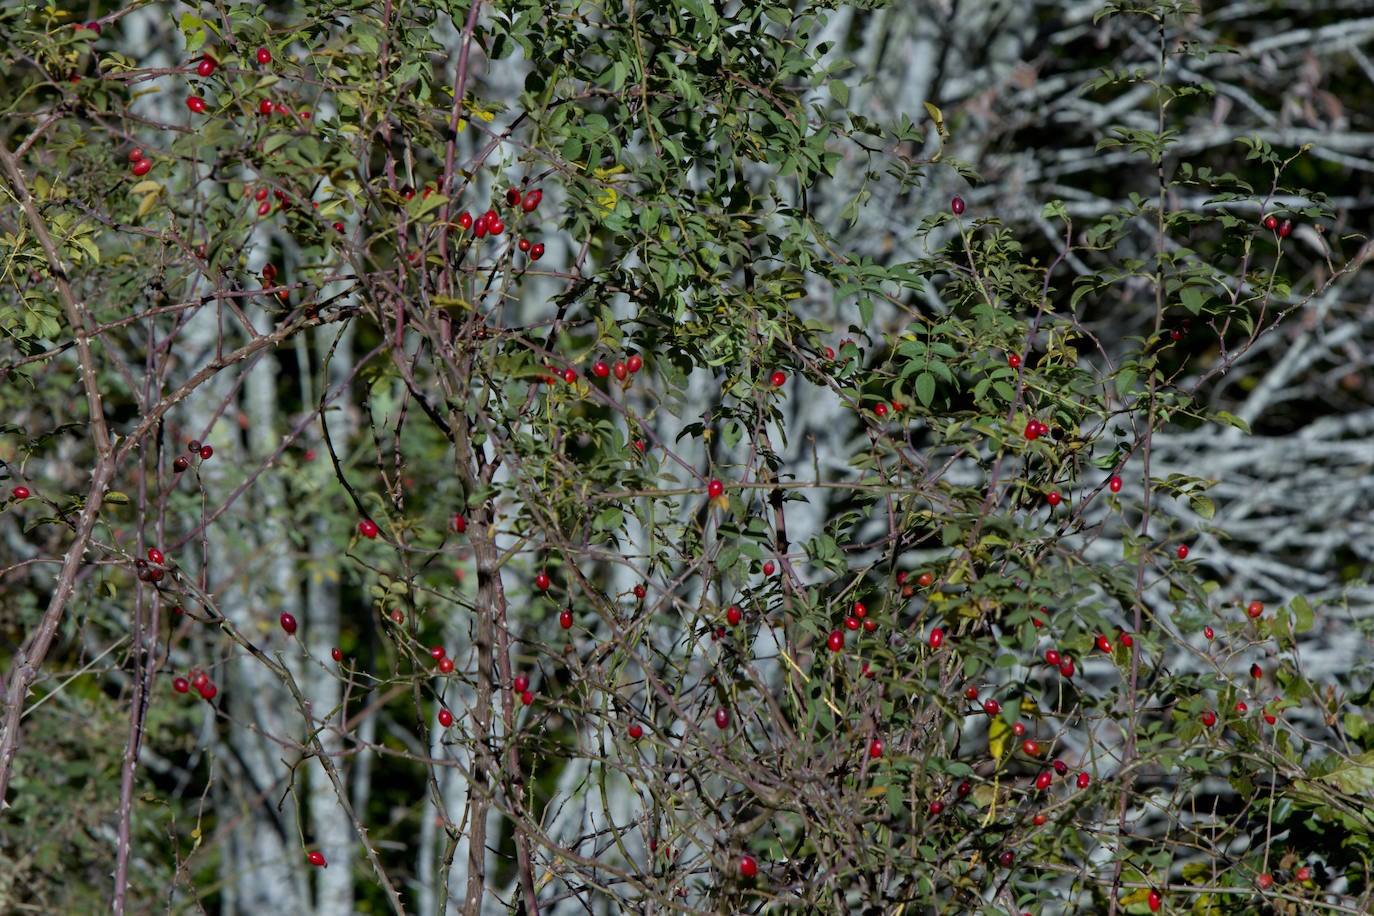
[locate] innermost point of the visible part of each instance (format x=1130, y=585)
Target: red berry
x=206, y=452
x=208, y=690
x=634, y=363
x=600, y=369
x=1103, y=643
x=620, y=371
x=835, y=641
x=1039, y=819
x=1285, y=228
x=532, y=199
x=265, y=107
x=860, y=609
x=1208, y=632
x=1053, y=498
x=640, y=591
x=135, y=154
x=1014, y=360
x=991, y=707
x=875, y=749
x=196, y=104
x=937, y=807
x=1266, y=881
x=1061, y=767
x=458, y=524
x=1033, y=430
x=851, y=623
x=1271, y=222
x=1183, y=551
x=971, y=692
x=570, y=375
x=1043, y=781
x=541, y=582
x=155, y=556
x=437, y=653
x=1114, y=485
x=1241, y=707
x=777, y=379
x=956, y=205
x=963, y=789
x=870, y=625
x=20, y=492
x=520, y=683
x=1083, y=780
x=1155, y=901
x=338, y=227
x=368, y=528
x=925, y=579
x=829, y=352
x=207, y=65
x=937, y=636
x=733, y=615
x=565, y=619
x=1269, y=717
x=1006, y=858
x=1304, y=874
x=1256, y=671
x=715, y=488
x=288, y=623
x=1209, y=718
x=264, y=56
x=1255, y=608
x=1019, y=729
x=1066, y=667
x=336, y=654
x=264, y=208
x=495, y=226
x=527, y=698
x=722, y=717
x=512, y=196
x=768, y=567
x=181, y=685
x=445, y=718
x=748, y=867
x=465, y=220
x=1053, y=658
x=1031, y=747
x=523, y=244
x=880, y=410
x=537, y=251
x=317, y=860
x=446, y=665
x=141, y=166
x=1127, y=639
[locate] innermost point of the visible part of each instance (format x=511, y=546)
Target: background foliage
x=685, y=458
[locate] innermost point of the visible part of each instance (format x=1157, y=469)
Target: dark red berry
x=532, y=199
x=141, y=166
x=264, y=56
x=956, y=205
x=317, y=859
x=748, y=867
x=181, y=685
x=207, y=65
x=288, y=623
x=1271, y=222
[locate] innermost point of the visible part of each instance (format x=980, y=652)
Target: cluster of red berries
x=151, y=569
x=1035, y=429
x=520, y=685
x=621, y=369
x=199, y=680
x=491, y=222
x=194, y=450
x=1284, y=228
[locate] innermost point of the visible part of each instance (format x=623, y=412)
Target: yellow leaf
x=998, y=730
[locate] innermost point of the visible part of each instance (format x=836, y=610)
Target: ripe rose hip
x=537, y=251
x=636, y=731
x=634, y=363
x=520, y=683
x=937, y=637
x=768, y=567
x=1155, y=901
x=1066, y=667
x=1209, y=718
x=336, y=654
x=1033, y=430
x=1043, y=781
x=733, y=616
x=206, y=452
x=971, y=693
x=1103, y=643
x=1254, y=608
x=1083, y=780
x=542, y=582
x=445, y=665
x=925, y=579
x=748, y=867
x=1183, y=551
x=835, y=641
x=1014, y=360
x=265, y=107
x=722, y=717
x=600, y=369
x=1285, y=229
x=141, y=167
x=1208, y=632
x=1053, y=498
x=207, y=65
x=1127, y=639
x=777, y=379
x=20, y=492
x=852, y=623
x=532, y=199
x=264, y=56
x=1114, y=485
x=512, y=197
x=465, y=220
x=1031, y=747
x=1019, y=729
x=1053, y=658
x=937, y=808
x=1271, y=222
x=196, y=104
x=715, y=488
x=445, y=718
x=991, y=707
x=640, y=591
x=956, y=205
x=1006, y=859
x=368, y=528
x=181, y=685
x=288, y=623
x=527, y=698
x=317, y=859
x=875, y=749
x=565, y=619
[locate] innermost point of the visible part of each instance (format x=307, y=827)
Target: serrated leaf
x=1202, y=505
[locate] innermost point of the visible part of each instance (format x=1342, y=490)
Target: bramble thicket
x=694, y=457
